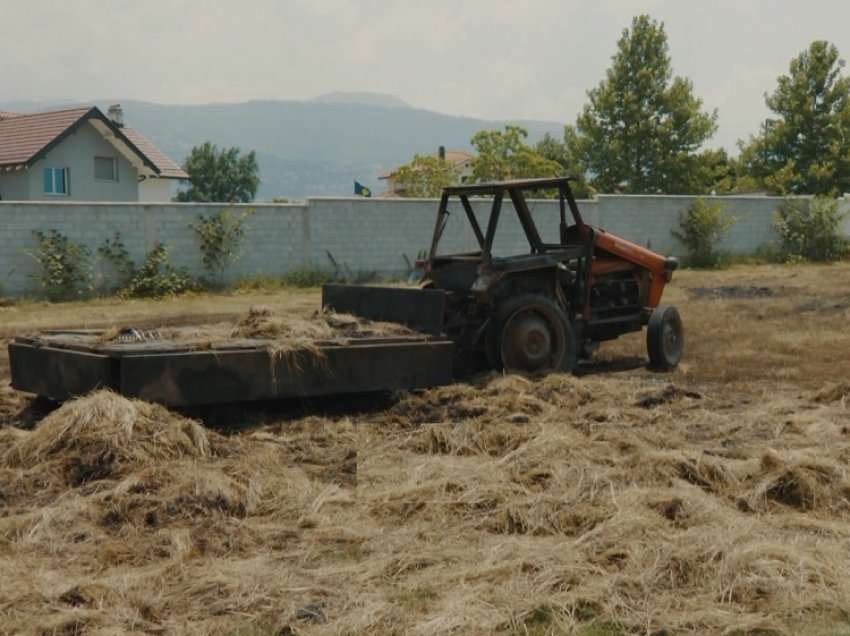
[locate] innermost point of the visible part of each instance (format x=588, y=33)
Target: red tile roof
x=166, y=167
x=23, y=137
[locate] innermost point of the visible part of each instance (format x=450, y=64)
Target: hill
x=317, y=146
x=370, y=99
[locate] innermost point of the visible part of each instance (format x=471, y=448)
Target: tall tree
x=805, y=149
x=222, y=176
x=557, y=150
x=503, y=154
x=426, y=176
x=643, y=128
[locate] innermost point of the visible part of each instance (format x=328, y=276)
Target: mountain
x=369, y=99
x=312, y=147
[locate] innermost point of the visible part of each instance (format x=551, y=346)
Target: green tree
x=642, y=129
x=220, y=175
x=426, y=176
x=805, y=149
x=503, y=154
x=556, y=150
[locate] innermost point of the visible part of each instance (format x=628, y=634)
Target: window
x=56, y=181
x=106, y=168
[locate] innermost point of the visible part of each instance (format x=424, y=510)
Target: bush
x=700, y=229
x=220, y=238
x=65, y=265
x=157, y=277
x=114, y=251
x=810, y=230
x=154, y=279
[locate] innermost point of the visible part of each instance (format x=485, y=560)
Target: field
x=715, y=499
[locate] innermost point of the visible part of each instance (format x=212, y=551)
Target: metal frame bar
x=525, y=219
x=523, y=184
x=495, y=212
x=472, y=220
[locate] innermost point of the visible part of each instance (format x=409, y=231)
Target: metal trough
x=63, y=364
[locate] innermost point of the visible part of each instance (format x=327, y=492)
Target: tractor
x=538, y=311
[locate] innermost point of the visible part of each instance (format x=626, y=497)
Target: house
x=461, y=160
x=80, y=154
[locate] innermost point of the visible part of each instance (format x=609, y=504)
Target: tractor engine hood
x=634, y=253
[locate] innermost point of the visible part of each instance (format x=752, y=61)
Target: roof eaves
x=62, y=135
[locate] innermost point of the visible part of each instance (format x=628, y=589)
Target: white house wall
x=77, y=152
x=14, y=186
x=155, y=190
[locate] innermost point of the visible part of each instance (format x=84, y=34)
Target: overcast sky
x=498, y=59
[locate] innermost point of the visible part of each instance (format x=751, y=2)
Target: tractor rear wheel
x=534, y=336
x=665, y=338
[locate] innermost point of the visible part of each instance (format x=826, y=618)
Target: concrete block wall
x=362, y=234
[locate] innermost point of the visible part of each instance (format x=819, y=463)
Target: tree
x=503, y=154
x=426, y=176
x=555, y=150
x=805, y=149
x=223, y=176
x=642, y=128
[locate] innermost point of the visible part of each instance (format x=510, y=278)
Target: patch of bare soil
x=732, y=291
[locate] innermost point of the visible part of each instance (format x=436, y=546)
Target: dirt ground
x=715, y=499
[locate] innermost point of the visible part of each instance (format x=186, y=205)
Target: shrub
x=157, y=277
x=701, y=227
x=114, y=251
x=810, y=230
x=220, y=238
x=154, y=279
x=65, y=265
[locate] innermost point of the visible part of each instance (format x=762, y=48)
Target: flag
x=361, y=190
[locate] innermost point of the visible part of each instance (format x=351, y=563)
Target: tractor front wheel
x=534, y=336
x=665, y=338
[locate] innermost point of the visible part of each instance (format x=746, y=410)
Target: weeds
x=701, y=228
x=154, y=279
x=65, y=266
x=809, y=230
x=220, y=237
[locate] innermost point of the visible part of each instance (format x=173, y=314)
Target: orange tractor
x=538, y=311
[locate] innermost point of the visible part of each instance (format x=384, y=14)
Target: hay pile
x=283, y=333
x=120, y=516
x=105, y=435
x=616, y=504
x=554, y=504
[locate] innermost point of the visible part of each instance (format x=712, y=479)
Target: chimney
x=116, y=114
x=441, y=153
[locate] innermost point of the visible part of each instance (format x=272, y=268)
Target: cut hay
x=286, y=331
x=296, y=340
x=713, y=500
x=104, y=434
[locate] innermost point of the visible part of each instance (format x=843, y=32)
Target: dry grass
x=712, y=500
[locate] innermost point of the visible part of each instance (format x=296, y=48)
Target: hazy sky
x=496, y=59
